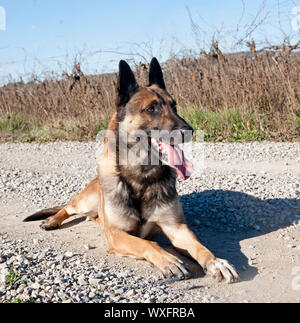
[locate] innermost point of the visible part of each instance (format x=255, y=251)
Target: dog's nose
x=187, y=129
x=187, y=132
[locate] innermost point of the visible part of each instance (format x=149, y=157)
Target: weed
x=14, y=279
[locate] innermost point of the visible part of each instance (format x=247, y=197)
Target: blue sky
x=44, y=35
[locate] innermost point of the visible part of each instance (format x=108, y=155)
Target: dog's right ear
x=156, y=74
x=126, y=85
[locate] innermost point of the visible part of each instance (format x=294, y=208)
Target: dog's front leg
x=122, y=224
x=124, y=244
x=183, y=238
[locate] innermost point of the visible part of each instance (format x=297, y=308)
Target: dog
x=133, y=202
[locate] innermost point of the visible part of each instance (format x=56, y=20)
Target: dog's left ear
x=156, y=75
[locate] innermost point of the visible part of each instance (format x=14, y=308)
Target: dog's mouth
x=173, y=156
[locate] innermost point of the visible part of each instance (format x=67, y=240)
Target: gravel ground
x=244, y=205
x=49, y=276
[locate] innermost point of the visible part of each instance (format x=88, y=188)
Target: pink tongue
x=177, y=160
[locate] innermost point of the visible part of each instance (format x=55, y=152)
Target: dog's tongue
x=177, y=160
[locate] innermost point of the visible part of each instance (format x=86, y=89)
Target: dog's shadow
x=222, y=219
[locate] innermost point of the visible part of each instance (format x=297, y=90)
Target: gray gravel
x=48, y=276
x=240, y=201
x=238, y=190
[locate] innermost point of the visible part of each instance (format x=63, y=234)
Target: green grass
x=19, y=301
x=298, y=118
x=237, y=125
x=223, y=126
x=14, y=279
x=18, y=128
x=12, y=123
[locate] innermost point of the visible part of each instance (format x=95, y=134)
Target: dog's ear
x=126, y=85
x=156, y=75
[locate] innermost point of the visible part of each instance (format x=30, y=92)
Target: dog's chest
x=150, y=196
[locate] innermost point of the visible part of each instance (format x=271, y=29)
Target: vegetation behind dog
x=248, y=96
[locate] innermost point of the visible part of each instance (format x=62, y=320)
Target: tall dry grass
x=247, y=96
x=74, y=103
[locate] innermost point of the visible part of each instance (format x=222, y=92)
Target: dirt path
x=264, y=247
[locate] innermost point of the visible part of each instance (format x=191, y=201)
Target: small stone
x=92, y=295
x=89, y=247
x=120, y=291
x=189, y=286
x=60, y=257
x=35, y=286
x=129, y=293
x=94, y=282
x=69, y=254
x=81, y=280
x=161, y=299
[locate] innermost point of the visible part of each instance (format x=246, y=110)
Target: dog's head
x=149, y=114
x=147, y=108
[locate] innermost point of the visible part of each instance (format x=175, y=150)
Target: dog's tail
x=43, y=214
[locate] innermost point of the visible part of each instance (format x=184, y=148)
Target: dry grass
x=246, y=96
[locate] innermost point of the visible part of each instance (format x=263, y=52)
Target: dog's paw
x=221, y=270
x=50, y=224
x=174, y=268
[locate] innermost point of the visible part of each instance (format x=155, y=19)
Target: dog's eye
x=150, y=109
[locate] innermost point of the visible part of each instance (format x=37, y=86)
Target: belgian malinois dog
x=133, y=201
